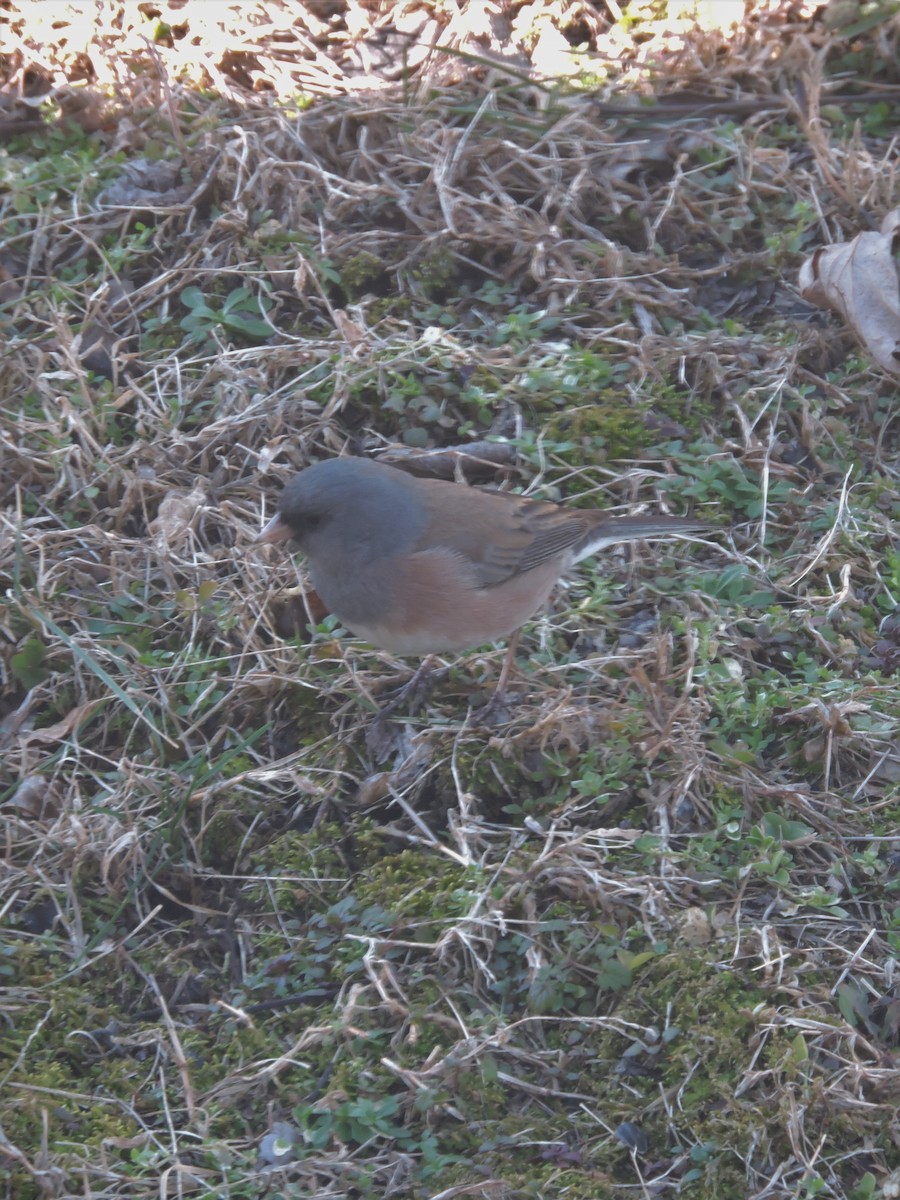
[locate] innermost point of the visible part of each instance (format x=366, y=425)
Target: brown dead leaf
x=176, y=516
x=858, y=281
x=150, y=184
x=352, y=333
x=61, y=729
x=888, y=768
x=88, y=108
x=20, y=100
x=296, y=612
x=35, y=798
x=694, y=927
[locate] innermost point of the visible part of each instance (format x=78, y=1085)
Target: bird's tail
x=613, y=530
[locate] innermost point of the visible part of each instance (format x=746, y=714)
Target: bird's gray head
x=349, y=505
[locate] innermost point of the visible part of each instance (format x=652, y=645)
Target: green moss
x=391, y=308
x=608, y=427
x=437, y=272
x=314, y=853
x=225, y=834
x=362, y=273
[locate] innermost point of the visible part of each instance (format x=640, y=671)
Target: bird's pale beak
x=277, y=530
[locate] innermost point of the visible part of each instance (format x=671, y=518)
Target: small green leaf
x=614, y=976
x=28, y=664
x=236, y=298
x=251, y=327
x=854, y=1005
x=633, y=961
x=784, y=830
x=865, y=1189
x=799, y=1049
x=192, y=297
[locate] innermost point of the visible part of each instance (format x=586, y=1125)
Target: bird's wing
x=499, y=536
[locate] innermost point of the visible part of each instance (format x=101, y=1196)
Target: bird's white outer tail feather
x=635, y=529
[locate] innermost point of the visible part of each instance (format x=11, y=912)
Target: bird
x=419, y=566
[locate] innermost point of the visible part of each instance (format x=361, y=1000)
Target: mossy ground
x=642, y=932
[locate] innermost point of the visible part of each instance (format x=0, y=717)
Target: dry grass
x=644, y=934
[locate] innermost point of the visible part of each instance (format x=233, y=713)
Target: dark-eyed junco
x=422, y=566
